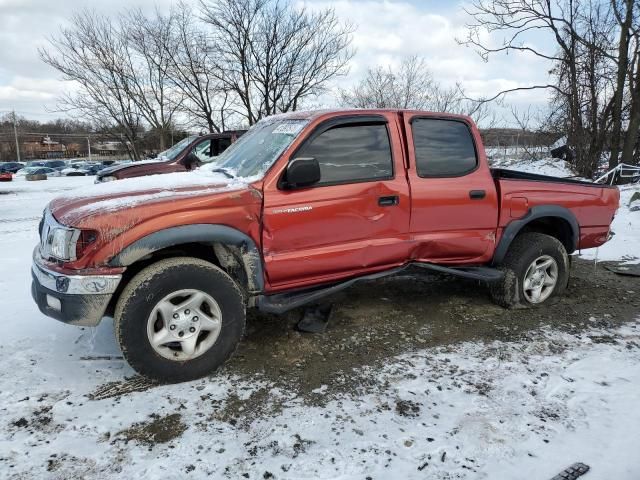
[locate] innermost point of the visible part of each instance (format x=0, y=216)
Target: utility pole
x=89, y=147
x=15, y=133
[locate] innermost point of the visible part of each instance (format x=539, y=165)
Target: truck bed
x=592, y=204
x=502, y=173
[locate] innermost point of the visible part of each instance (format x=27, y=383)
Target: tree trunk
x=631, y=137
x=623, y=59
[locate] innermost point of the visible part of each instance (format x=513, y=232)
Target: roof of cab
x=313, y=114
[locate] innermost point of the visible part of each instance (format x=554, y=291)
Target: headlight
x=63, y=243
x=107, y=178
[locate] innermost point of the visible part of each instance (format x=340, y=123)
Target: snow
x=625, y=244
x=131, y=192
x=165, y=182
x=465, y=410
x=552, y=167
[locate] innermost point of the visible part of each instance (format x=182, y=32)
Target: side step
x=283, y=302
x=486, y=274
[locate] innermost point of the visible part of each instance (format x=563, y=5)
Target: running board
x=283, y=302
x=279, y=303
x=485, y=274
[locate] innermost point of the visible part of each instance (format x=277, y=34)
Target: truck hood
x=88, y=206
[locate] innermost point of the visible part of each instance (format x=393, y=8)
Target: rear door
x=355, y=219
x=454, y=200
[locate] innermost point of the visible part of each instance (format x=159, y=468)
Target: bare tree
x=411, y=86
x=192, y=59
x=272, y=56
x=147, y=67
x=591, y=55
x=92, y=55
x=122, y=70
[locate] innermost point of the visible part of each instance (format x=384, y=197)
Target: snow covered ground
x=70, y=407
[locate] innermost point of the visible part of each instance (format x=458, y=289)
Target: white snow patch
x=625, y=244
x=167, y=181
x=553, y=167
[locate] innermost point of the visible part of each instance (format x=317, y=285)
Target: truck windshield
x=176, y=149
x=256, y=150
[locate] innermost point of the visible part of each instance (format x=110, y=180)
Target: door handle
x=389, y=201
x=477, y=194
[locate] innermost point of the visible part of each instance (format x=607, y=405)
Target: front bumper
x=73, y=299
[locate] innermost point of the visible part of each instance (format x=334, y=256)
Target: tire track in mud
x=115, y=389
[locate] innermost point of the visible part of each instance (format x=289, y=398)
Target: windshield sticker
x=289, y=128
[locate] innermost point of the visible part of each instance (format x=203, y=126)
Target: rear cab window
x=351, y=152
x=443, y=148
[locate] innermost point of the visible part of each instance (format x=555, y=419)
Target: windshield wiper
x=223, y=170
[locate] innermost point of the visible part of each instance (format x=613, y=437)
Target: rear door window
x=443, y=148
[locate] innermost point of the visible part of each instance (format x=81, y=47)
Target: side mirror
x=302, y=172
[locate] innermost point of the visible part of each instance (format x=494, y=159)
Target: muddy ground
x=376, y=320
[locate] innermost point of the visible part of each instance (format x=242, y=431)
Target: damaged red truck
x=301, y=206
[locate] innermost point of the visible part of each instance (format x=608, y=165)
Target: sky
x=387, y=30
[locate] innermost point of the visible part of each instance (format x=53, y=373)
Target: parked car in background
x=36, y=163
x=49, y=172
x=55, y=164
x=305, y=205
x=76, y=170
x=94, y=168
x=11, y=167
x=82, y=169
x=187, y=154
x=6, y=176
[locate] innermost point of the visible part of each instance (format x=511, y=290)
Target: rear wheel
x=179, y=319
x=536, y=268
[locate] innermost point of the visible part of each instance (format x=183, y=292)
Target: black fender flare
x=197, y=233
x=541, y=211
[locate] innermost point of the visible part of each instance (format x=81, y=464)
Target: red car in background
x=187, y=154
x=6, y=176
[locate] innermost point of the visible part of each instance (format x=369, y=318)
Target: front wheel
x=535, y=268
x=179, y=319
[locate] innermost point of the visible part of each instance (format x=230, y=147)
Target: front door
x=355, y=219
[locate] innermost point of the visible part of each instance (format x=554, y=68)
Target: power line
x=27, y=112
x=60, y=134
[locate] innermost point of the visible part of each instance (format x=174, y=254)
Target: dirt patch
x=407, y=408
x=39, y=421
x=242, y=412
x=159, y=430
x=374, y=321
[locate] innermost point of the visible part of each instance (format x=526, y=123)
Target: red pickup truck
x=303, y=205
x=187, y=154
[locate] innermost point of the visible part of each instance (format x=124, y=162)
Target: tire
x=518, y=267
x=143, y=313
